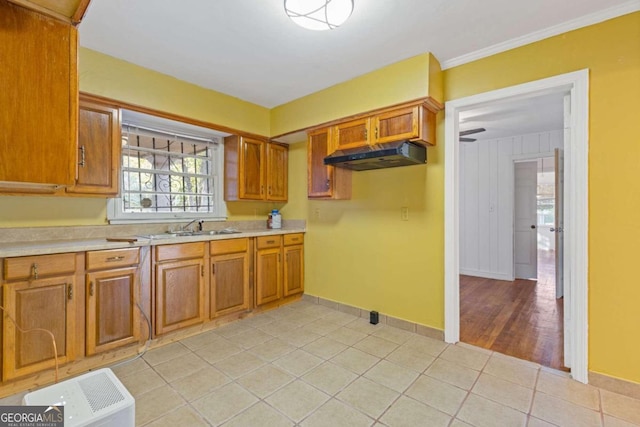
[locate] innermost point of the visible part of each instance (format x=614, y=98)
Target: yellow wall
x=399, y=82
x=611, y=52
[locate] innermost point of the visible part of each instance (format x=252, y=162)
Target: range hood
x=378, y=156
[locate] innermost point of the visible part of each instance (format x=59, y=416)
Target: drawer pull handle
x=270, y=242
x=115, y=258
x=69, y=291
x=83, y=157
x=91, y=289
x=295, y=239
x=34, y=270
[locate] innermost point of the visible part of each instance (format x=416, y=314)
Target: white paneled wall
x=486, y=200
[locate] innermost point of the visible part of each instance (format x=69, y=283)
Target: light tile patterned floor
x=309, y=365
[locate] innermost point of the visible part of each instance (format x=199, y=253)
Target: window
x=169, y=174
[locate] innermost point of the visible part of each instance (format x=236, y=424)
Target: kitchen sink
x=171, y=235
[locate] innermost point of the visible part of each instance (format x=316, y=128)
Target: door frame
x=576, y=237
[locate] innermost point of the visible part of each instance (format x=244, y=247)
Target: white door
x=525, y=220
x=559, y=221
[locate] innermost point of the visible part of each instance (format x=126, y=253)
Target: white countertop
x=15, y=249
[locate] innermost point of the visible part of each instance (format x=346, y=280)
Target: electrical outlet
x=404, y=213
x=316, y=213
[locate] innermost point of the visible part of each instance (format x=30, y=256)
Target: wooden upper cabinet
x=38, y=106
x=352, y=134
x=254, y=169
x=99, y=145
x=415, y=123
x=325, y=182
x=69, y=11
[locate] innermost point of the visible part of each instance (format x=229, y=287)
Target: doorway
x=576, y=250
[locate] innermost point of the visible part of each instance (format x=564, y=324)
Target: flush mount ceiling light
x=319, y=15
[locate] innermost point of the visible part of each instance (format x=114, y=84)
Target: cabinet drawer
x=180, y=251
x=112, y=258
x=35, y=267
x=230, y=246
x=293, y=239
x=264, y=242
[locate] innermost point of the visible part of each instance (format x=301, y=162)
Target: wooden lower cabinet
x=229, y=286
x=179, y=286
x=268, y=269
x=293, y=269
x=38, y=305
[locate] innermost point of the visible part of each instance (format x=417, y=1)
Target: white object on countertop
x=96, y=398
x=276, y=219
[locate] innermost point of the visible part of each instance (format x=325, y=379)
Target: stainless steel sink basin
x=169, y=235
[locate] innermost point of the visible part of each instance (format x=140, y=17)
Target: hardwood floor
x=520, y=318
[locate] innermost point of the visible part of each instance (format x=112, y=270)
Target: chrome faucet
x=199, y=221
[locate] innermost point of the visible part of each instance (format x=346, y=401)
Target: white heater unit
x=94, y=399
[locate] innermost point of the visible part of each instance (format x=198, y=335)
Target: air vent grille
x=100, y=392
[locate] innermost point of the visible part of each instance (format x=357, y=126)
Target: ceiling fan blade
x=467, y=139
x=471, y=131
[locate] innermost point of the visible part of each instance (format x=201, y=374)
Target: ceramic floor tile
x=224, y=403
x=339, y=317
x=239, y=364
x=297, y=400
x=440, y=395
x=568, y=389
x=276, y=327
x=346, y=336
x=336, y=414
x=406, y=412
x=536, y=422
x=180, y=367
x=523, y=374
x=392, y=376
x=504, y=392
x=321, y=327
x=395, y=335
x=299, y=337
x=250, y=338
x=563, y=413
x=300, y=318
x=218, y=351
x=482, y=412
x=355, y=360
x=465, y=356
x=142, y=382
x=610, y=421
x=197, y=341
x=329, y=378
x=272, y=350
x=199, y=383
x=363, y=325
x=122, y=369
x=259, y=414
x=164, y=353
x=452, y=373
x=265, y=380
x=183, y=416
x=258, y=320
x=231, y=329
x=298, y=362
x=458, y=423
x=156, y=403
x=368, y=397
x=426, y=345
x=376, y=346
x=621, y=407
x=411, y=358
x=325, y=348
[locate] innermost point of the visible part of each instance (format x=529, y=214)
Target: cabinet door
x=277, y=164
x=352, y=134
x=229, y=284
x=293, y=270
x=38, y=105
x=397, y=125
x=268, y=276
x=98, y=149
x=47, y=305
x=325, y=182
x=179, y=294
x=113, y=320
x=252, y=166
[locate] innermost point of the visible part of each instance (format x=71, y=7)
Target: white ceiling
x=250, y=49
